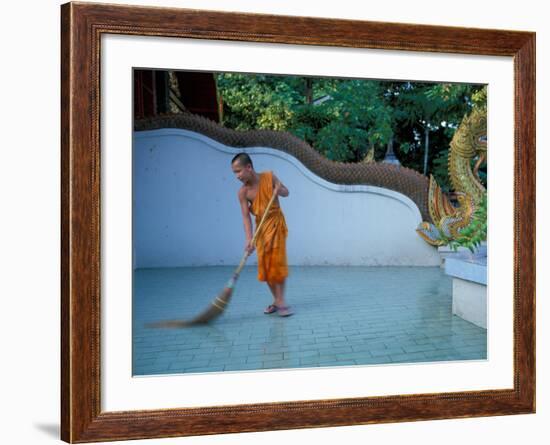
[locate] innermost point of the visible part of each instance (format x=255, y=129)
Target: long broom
x=218, y=305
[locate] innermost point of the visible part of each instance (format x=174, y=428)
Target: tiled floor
x=343, y=316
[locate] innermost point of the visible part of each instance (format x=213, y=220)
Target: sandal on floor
x=284, y=311
x=270, y=309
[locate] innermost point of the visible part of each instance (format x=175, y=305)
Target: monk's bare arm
x=247, y=221
x=280, y=187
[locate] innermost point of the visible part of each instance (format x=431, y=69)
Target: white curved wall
x=186, y=212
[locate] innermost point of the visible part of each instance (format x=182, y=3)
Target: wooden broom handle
x=263, y=217
x=246, y=255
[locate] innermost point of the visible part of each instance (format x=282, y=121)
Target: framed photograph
x=361, y=143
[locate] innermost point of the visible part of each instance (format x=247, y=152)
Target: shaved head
x=243, y=159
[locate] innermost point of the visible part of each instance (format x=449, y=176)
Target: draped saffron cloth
x=271, y=240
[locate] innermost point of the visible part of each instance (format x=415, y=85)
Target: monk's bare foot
x=284, y=311
x=270, y=309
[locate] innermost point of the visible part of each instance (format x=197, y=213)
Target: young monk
x=270, y=244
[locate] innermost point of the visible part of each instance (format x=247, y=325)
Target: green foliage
x=256, y=101
x=344, y=127
x=440, y=169
x=472, y=235
x=479, y=97
x=348, y=117
x=309, y=120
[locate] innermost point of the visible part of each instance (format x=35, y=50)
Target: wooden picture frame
x=82, y=25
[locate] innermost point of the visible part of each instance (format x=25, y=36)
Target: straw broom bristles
x=218, y=305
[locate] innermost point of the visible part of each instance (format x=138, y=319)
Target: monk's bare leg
x=273, y=292
x=273, y=306
x=280, y=302
x=284, y=310
x=278, y=292
x=279, y=289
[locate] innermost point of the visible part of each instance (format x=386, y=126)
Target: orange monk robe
x=271, y=240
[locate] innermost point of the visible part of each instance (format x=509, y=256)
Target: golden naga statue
x=469, y=142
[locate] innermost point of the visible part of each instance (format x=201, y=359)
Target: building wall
x=186, y=212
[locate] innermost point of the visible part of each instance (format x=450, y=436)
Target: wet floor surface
x=343, y=316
